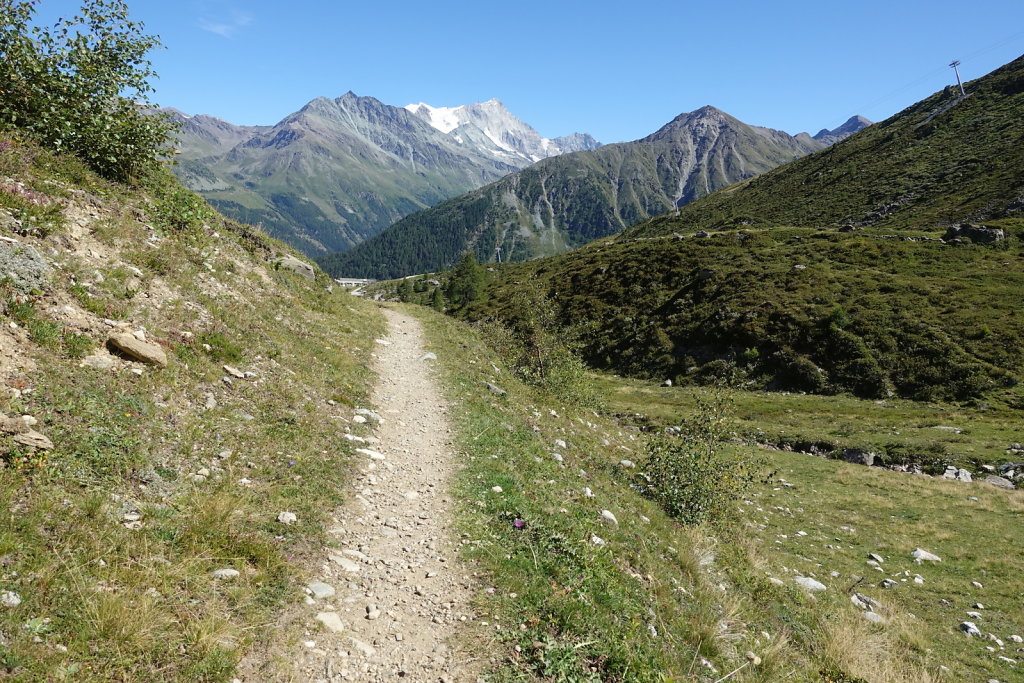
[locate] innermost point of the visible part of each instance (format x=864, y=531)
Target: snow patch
x=444, y=119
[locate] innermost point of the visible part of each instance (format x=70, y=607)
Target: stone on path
x=332, y=622
x=321, y=590
x=345, y=563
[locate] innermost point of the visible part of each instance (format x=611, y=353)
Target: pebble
x=226, y=573
x=332, y=622
x=321, y=590
x=287, y=518
x=497, y=489
x=10, y=599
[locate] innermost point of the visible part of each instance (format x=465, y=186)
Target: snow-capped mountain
x=340, y=170
x=492, y=129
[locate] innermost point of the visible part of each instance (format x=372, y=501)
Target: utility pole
x=955, y=64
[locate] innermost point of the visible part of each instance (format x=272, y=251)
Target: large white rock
x=920, y=555
x=807, y=583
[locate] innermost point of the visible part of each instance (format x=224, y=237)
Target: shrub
x=686, y=476
x=540, y=350
x=81, y=86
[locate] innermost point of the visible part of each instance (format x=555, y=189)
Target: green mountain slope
x=563, y=202
x=943, y=160
x=338, y=171
x=890, y=309
x=331, y=174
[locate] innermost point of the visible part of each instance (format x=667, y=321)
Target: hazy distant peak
x=852, y=125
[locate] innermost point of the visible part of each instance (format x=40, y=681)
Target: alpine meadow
x=417, y=392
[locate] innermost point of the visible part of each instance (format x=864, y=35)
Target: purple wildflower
x=519, y=524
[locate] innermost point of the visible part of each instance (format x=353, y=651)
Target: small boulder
x=287, y=518
x=99, y=361
x=369, y=415
x=978, y=234
x=495, y=389
x=970, y=629
x=858, y=457
x=144, y=351
x=225, y=574
x=874, y=617
x=10, y=599
x=809, y=584
x=921, y=555
x=1000, y=482
x=234, y=372
x=608, y=518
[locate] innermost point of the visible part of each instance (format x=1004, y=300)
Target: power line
x=930, y=74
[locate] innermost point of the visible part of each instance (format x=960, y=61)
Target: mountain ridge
x=339, y=170
x=562, y=202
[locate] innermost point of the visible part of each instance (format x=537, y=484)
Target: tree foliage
x=467, y=281
x=82, y=86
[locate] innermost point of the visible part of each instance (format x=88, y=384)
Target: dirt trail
x=400, y=593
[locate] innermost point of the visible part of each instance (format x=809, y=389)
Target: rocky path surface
x=391, y=594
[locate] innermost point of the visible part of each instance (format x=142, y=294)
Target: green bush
x=81, y=86
x=686, y=475
x=540, y=350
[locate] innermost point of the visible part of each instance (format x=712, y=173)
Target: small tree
x=82, y=86
x=467, y=281
x=437, y=300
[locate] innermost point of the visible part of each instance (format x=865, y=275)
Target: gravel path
x=399, y=593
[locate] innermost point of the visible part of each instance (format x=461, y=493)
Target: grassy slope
x=755, y=301
x=564, y=608
x=940, y=161
x=919, y=319
x=101, y=601
x=848, y=511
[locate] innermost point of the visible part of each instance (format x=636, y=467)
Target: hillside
x=338, y=171
x=944, y=160
x=181, y=386
x=563, y=202
x=815, y=309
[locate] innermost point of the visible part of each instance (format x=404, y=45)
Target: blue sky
x=618, y=70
